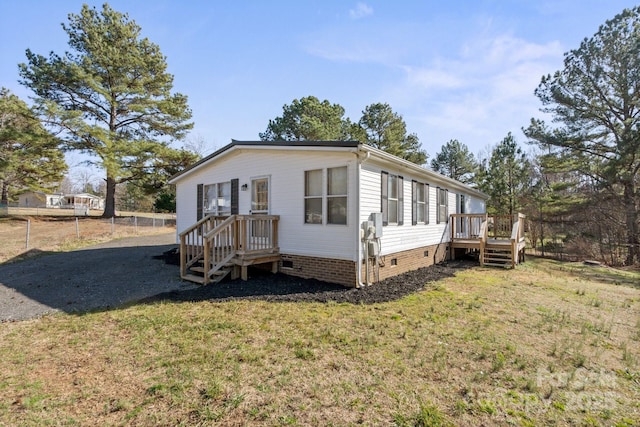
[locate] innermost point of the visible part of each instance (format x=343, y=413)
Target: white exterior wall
x=285, y=168
x=396, y=238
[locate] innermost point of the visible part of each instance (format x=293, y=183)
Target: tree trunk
x=631, y=213
x=110, y=199
x=4, y=199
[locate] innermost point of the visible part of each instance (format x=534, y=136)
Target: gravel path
x=103, y=276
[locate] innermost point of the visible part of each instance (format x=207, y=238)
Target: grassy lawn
x=544, y=344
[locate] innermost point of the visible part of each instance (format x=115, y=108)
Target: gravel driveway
x=106, y=275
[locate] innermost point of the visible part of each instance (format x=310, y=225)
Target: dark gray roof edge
x=235, y=143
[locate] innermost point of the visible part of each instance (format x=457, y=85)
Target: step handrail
x=483, y=239
x=219, y=247
x=191, y=244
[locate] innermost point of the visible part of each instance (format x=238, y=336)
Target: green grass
x=492, y=347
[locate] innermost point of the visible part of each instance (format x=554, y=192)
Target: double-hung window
x=337, y=195
x=442, y=213
x=325, y=196
x=392, y=200
x=217, y=199
x=419, y=203
x=313, y=196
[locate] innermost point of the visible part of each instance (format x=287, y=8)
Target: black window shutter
x=199, y=202
x=414, y=202
x=426, y=203
x=234, y=196
x=400, y=200
x=384, y=200
x=438, y=204
x=446, y=206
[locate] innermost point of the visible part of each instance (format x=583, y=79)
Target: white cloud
x=435, y=78
x=361, y=10
x=477, y=95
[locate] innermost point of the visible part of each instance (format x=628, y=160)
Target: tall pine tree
x=110, y=96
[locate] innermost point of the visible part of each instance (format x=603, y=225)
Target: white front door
x=260, y=196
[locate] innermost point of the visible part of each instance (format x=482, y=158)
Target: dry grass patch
x=517, y=347
x=50, y=234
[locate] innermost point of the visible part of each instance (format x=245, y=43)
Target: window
x=443, y=205
x=461, y=204
x=313, y=197
x=217, y=199
x=392, y=199
x=337, y=195
x=334, y=198
x=419, y=203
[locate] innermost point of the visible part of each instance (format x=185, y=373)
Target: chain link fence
x=33, y=234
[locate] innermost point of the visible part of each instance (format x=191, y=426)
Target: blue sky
x=456, y=69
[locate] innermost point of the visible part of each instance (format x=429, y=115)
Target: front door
x=260, y=206
x=260, y=196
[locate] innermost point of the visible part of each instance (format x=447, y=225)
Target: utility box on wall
x=376, y=219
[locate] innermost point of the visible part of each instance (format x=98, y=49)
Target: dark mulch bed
x=280, y=287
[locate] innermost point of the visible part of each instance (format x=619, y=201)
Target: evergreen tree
x=309, y=119
x=387, y=131
x=455, y=161
x=29, y=155
x=505, y=177
x=111, y=96
x=596, y=101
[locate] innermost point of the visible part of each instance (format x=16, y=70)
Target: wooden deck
x=498, y=239
x=217, y=246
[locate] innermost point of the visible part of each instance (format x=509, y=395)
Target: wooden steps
x=196, y=273
x=498, y=257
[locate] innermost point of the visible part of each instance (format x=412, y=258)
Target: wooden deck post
x=206, y=261
x=183, y=256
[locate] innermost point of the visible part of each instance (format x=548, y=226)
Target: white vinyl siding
x=406, y=237
x=286, y=170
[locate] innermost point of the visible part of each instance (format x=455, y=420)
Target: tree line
x=111, y=97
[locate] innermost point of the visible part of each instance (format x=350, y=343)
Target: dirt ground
x=51, y=233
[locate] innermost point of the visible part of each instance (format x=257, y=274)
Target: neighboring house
x=337, y=205
x=82, y=200
x=39, y=199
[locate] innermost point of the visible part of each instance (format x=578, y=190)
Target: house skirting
x=343, y=272
x=401, y=262
x=331, y=270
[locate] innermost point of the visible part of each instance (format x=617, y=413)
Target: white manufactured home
x=342, y=212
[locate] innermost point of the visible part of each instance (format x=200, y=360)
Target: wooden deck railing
x=256, y=233
x=217, y=240
x=466, y=226
x=500, y=226
x=480, y=231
